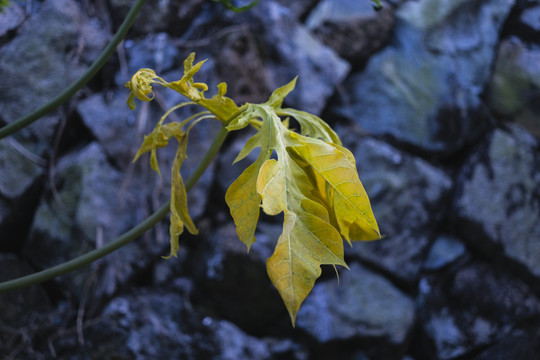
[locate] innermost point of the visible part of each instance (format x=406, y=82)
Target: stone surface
x=156, y=51
x=88, y=207
x=424, y=88
x=364, y=305
x=497, y=200
x=225, y=271
x=10, y=19
x=299, y=8
x=476, y=307
x=515, y=85
x=354, y=29
x=531, y=17
x=407, y=196
x=18, y=170
x=445, y=251
x=289, y=50
x=40, y=62
x=456, y=276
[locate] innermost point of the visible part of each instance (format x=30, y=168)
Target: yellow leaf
x=313, y=182
x=159, y=138
x=179, y=213
x=244, y=201
x=333, y=170
x=271, y=186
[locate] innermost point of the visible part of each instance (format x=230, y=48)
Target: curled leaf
x=140, y=86
x=179, y=212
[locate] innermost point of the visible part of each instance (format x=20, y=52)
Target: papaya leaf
x=179, y=212
x=332, y=168
x=159, y=138
x=223, y=108
x=244, y=201
x=313, y=182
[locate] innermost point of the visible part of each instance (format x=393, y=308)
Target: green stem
x=124, y=239
x=80, y=82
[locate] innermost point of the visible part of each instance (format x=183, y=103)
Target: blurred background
x=439, y=101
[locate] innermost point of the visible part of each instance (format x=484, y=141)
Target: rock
x=164, y=16
x=156, y=324
x=286, y=48
x=363, y=305
x=445, y=251
x=497, y=198
x=475, y=308
x=11, y=18
x=235, y=284
x=234, y=344
x=19, y=168
x=24, y=311
x=515, y=86
x=299, y=8
x=407, y=196
x=113, y=125
x=523, y=345
x=155, y=51
x=19, y=305
x=88, y=208
x=40, y=66
x=530, y=17
x=355, y=30
x=424, y=89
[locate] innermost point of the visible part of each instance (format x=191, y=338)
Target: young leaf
x=179, y=213
x=159, y=138
x=332, y=168
x=313, y=182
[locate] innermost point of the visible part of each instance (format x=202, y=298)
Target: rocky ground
x=439, y=100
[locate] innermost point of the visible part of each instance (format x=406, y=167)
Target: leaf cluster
x=312, y=180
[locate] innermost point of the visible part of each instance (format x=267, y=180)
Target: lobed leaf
x=313, y=182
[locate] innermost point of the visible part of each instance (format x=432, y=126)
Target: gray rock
x=22, y=310
x=407, y=196
x=18, y=168
x=89, y=207
x=156, y=51
x=113, y=124
x=475, y=308
x=446, y=250
x=165, y=15
x=352, y=28
x=363, y=305
x=287, y=49
x=19, y=305
x=497, y=199
x=299, y=8
x=523, y=345
x=531, y=17
x=515, y=86
x=318, y=68
x=424, y=89
x=11, y=18
x=235, y=284
x=40, y=65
